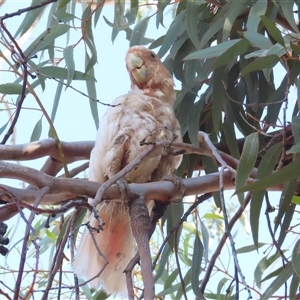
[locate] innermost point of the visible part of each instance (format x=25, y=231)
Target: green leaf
x=87, y=32
x=250, y=248
x=138, y=32
x=205, y=237
x=261, y=63
x=196, y=266
x=3, y=127
x=62, y=3
x=295, y=48
x=284, y=175
x=163, y=260
x=213, y=51
x=92, y=92
x=37, y=130
x=51, y=235
x=278, y=282
x=85, y=288
x=101, y=295
x=296, y=128
x=234, y=11
x=265, y=168
x=219, y=96
x=170, y=280
x=247, y=162
x=215, y=26
x=10, y=88
x=29, y=19
x=294, y=287
x=63, y=16
x=263, y=264
x=192, y=22
x=45, y=39
x=286, y=223
x=257, y=9
x=285, y=201
x=61, y=73
x=69, y=59
x=115, y=26
x=296, y=200
x=175, y=30
x=273, y=30
x=296, y=258
x=213, y=216
x=232, y=53
x=56, y=100
x=97, y=14
x=287, y=7
x=193, y=121
x=258, y=40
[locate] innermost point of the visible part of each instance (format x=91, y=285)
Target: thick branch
x=73, y=151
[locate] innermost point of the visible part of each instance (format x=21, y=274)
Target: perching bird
x=144, y=112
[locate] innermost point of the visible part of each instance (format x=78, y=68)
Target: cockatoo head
x=148, y=73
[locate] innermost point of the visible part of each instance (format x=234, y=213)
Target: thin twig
x=72, y=248
x=227, y=229
x=221, y=244
x=199, y=200
x=29, y=228
x=57, y=262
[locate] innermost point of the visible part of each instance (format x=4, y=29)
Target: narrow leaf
x=258, y=9
x=261, y=63
x=92, y=92
x=258, y=40
x=10, y=88
x=56, y=100
x=3, y=127
x=63, y=16
x=247, y=162
x=138, y=32
x=287, y=7
x=212, y=51
x=278, y=282
x=196, y=266
x=192, y=22
x=284, y=175
x=61, y=73
x=175, y=30
x=37, y=130
x=193, y=121
x=232, y=53
x=163, y=260
x=296, y=258
x=273, y=30
x=30, y=17
x=250, y=248
x=265, y=168
x=69, y=59
x=63, y=3
x=236, y=8
x=46, y=38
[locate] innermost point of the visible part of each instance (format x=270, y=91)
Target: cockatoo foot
x=177, y=181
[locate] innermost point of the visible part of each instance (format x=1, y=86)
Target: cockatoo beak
x=136, y=67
